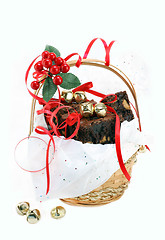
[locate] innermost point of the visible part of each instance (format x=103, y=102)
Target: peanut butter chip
x=126, y=105
x=103, y=139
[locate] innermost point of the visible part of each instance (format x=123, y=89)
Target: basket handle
x=96, y=63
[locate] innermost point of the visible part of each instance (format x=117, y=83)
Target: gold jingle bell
x=80, y=96
x=100, y=109
x=86, y=109
x=33, y=216
x=67, y=95
x=58, y=212
x=22, y=208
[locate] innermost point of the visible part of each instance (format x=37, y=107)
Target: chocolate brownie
x=96, y=129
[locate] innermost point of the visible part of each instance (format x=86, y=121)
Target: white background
x=26, y=27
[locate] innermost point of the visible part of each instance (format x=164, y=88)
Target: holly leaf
x=49, y=89
x=69, y=80
x=52, y=49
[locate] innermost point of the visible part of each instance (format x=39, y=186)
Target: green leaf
x=69, y=80
x=49, y=89
x=52, y=49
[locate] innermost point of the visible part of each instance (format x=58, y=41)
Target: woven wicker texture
x=110, y=191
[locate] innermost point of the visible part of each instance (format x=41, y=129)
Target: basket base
x=92, y=204
x=110, y=191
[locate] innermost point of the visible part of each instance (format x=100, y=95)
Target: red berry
x=38, y=66
x=64, y=68
x=52, y=56
x=59, y=61
x=35, y=85
x=45, y=54
x=57, y=80
x=55, y=69
x=47, y=63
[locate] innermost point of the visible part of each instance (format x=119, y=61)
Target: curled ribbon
x=74, y=117
x=78, y=63
x=39, y=75
x=107, y=50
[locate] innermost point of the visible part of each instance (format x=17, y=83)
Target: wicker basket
x=115, y=186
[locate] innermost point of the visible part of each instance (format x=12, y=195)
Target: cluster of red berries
x=47, y=64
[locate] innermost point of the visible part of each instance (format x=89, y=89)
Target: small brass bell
x=67, y=95
x=80, y=96
x=33, y=216
x=86, y=109
x=22, y=208
x=100, y=109
x=58, y=212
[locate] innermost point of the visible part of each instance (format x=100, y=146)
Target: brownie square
x=96, y=129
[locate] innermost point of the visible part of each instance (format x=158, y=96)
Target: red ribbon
x=74, y=117
x=107, y=50
x=38, y=75
x=45, y=131
x=117, y=144
x=78, y=63
x=31, y=171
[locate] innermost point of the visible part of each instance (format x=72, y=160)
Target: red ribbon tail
x=107, y=50
x=91, y=44
x=84, y=87
x=148, y=148
x=118, y=146
x=107, y=56
x=45, y=131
